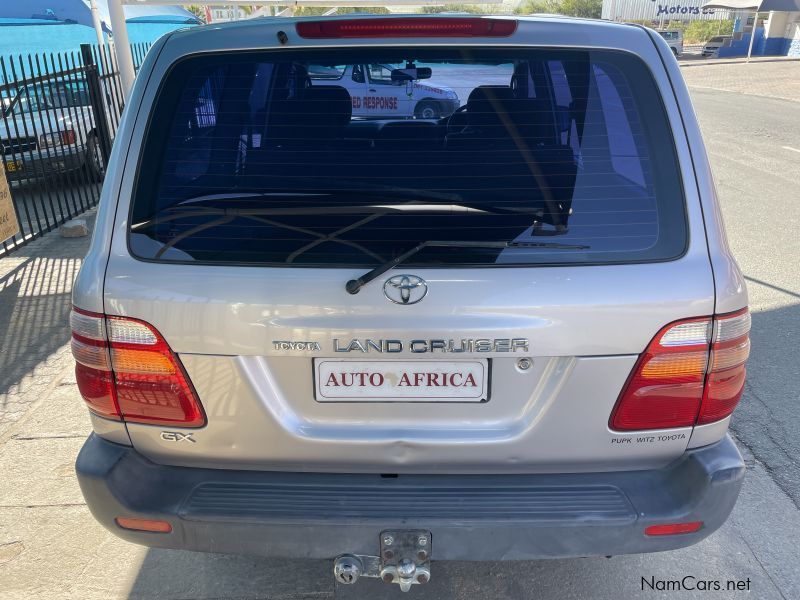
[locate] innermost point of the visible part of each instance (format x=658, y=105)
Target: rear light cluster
x=406, y=27
x=58, y=138
x=692, y=373
x=126, y=371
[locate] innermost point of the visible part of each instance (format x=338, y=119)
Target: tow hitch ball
x=405, y=559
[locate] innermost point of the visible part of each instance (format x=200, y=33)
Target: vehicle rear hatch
x=567, y=228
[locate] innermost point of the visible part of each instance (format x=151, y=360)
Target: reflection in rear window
x=295, y=158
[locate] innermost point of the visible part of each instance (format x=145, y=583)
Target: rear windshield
x=352, y=157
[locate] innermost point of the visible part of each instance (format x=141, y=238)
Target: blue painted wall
x=762, y=46
x=22, y=40
x=739, y=47
x=775, y=46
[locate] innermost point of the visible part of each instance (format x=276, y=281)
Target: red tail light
x=729, y=352
x=692, y=372
x=68, y=137
x=406, y=27
x=126, y=370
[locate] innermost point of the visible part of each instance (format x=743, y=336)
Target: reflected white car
x=375, y=95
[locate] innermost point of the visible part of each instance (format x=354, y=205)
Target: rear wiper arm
x=354, y=285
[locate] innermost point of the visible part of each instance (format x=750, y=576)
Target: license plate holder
x=401, y=380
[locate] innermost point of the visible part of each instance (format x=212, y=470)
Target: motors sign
x=661, y=11
x=9, y=226
x=682, y=10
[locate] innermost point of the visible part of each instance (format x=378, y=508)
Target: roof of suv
x=592, y=24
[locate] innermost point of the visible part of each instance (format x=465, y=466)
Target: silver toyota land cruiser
x=512, y=332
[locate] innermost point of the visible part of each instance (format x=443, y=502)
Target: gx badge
x=175, y=436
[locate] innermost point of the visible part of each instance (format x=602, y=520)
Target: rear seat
x=485, y=121
x=317, y=116
x=304, y=140
x=409, y=135
x=479, y=113
x=509, y=144
x=321, y=145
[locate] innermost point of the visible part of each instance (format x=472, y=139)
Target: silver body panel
x=586, y=325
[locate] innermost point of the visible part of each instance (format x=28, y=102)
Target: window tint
x=252, y=158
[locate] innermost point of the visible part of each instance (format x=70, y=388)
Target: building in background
x=782, y=34
x=776, y=32
x=661, y=12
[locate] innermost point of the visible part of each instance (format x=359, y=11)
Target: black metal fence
x=59, y=113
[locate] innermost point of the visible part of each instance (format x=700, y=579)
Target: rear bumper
x=33, y=166
x=470, y=517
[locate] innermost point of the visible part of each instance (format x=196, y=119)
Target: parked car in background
x=516, y=332
x=380, y=91
x=674, y=38
x=48, y=128
x=712, y=46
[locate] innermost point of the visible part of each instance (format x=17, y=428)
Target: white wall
x=793, y=33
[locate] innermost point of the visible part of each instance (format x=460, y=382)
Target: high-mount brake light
x=126, y=370
x=691, y=373
x=406, y=27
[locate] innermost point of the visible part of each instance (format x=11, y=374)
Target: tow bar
x=405, y=559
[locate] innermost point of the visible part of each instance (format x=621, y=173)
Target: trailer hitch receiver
x=404, y=559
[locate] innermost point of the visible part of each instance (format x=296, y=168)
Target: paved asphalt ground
x=50, y=547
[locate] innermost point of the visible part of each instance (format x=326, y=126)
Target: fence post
x=98, y=99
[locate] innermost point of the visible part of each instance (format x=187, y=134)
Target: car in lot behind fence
x=47, y=128
x=511, y=332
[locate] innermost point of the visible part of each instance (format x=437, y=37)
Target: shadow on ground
x=768, y=419
x=34, y=312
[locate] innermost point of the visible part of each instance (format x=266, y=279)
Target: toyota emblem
x=405, y=289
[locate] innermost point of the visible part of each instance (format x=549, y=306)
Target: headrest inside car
x=325, y=106
x=484, y=104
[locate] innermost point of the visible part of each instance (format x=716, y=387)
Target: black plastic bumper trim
x=471, y=517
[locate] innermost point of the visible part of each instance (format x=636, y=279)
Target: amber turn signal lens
x=144, y=525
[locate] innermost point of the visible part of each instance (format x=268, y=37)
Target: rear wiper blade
x=354, y=285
